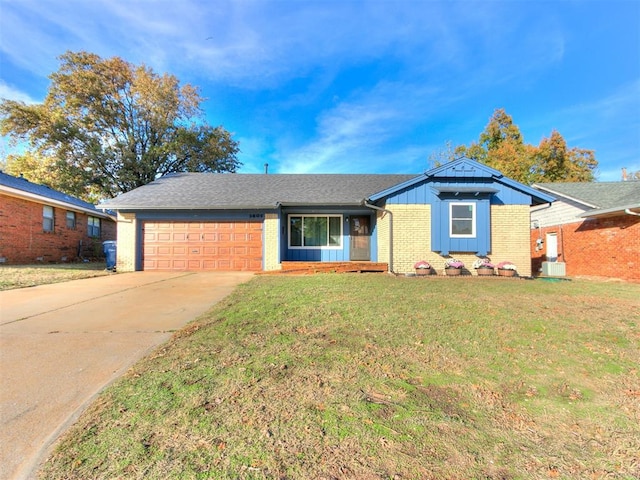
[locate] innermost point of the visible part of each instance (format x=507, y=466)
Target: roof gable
x=465, y=175
x=464, y=168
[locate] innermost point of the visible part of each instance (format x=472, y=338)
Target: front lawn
x=21, y=276
x=375, y=377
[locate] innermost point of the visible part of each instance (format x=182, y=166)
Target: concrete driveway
x=61, y=344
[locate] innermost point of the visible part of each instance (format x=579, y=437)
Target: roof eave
x=132, y=207
x=322, y=204
x=607, y=212
x=396, y=188
x=17, y=193
x=537, y=197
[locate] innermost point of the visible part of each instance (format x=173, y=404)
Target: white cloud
x=260, y=43
x=8, y=92
x=344, y=136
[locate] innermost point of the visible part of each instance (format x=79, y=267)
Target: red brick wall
x=607, y=247
x=22, y=239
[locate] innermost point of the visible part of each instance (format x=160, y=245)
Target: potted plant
x=453, y=267
x=506, y=269
x=422, y=268
x=483, y=267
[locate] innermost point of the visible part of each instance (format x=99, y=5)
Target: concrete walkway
x=61, y=344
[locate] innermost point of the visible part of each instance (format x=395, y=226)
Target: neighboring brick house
x=39, y=224
x=593, y=228
x=206, y=221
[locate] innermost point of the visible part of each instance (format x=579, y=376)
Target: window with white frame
x=48, y=222
x=315, y=231
x=462, y=219
x=71, y=219
x=93, y=227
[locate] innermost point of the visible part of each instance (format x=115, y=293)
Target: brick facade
x=271, y=238
x=510, y=227
x=126, y=252
x=23, y=239
x=606, y=247
x=412, y=238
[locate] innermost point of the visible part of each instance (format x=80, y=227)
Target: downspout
x=629, y=212
x=385, y=211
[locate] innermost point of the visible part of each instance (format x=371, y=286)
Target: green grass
x=373, y=377
x=21, y=276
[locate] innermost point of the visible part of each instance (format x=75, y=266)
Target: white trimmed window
x=47, y=218
x=71, y=219
x=462, y=220
x=93, y=227
x=315, y=231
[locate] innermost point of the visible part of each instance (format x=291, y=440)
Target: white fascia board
x=610, y=211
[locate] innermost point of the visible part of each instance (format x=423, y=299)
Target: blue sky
x=368, y=86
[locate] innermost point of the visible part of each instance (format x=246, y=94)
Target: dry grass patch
x=21, y=276
x=373, y=377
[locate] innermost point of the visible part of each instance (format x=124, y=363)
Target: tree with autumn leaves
x=502, y=147
x=107, y=126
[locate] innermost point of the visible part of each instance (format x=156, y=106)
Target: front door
x=360, y=233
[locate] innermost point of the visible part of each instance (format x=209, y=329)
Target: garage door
x=199, y=246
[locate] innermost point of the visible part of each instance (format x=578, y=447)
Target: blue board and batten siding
x=325, y=254
x=426, y=193
x=465, y=187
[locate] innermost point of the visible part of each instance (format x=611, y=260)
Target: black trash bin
x=109, y=249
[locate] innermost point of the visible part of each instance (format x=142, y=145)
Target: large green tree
x=107, y=126
x=502, y=147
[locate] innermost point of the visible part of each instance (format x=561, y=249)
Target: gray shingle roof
x=25, y=185
x=599, y=195
x=235, y=191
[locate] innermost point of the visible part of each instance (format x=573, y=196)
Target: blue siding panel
x=326, y=254
x=440, y=240
x=427, y=193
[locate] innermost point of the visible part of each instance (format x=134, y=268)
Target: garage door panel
x=202, y=246
x=161, y=264
x=177, y=264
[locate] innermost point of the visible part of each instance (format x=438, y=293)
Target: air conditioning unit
x=554, y=269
